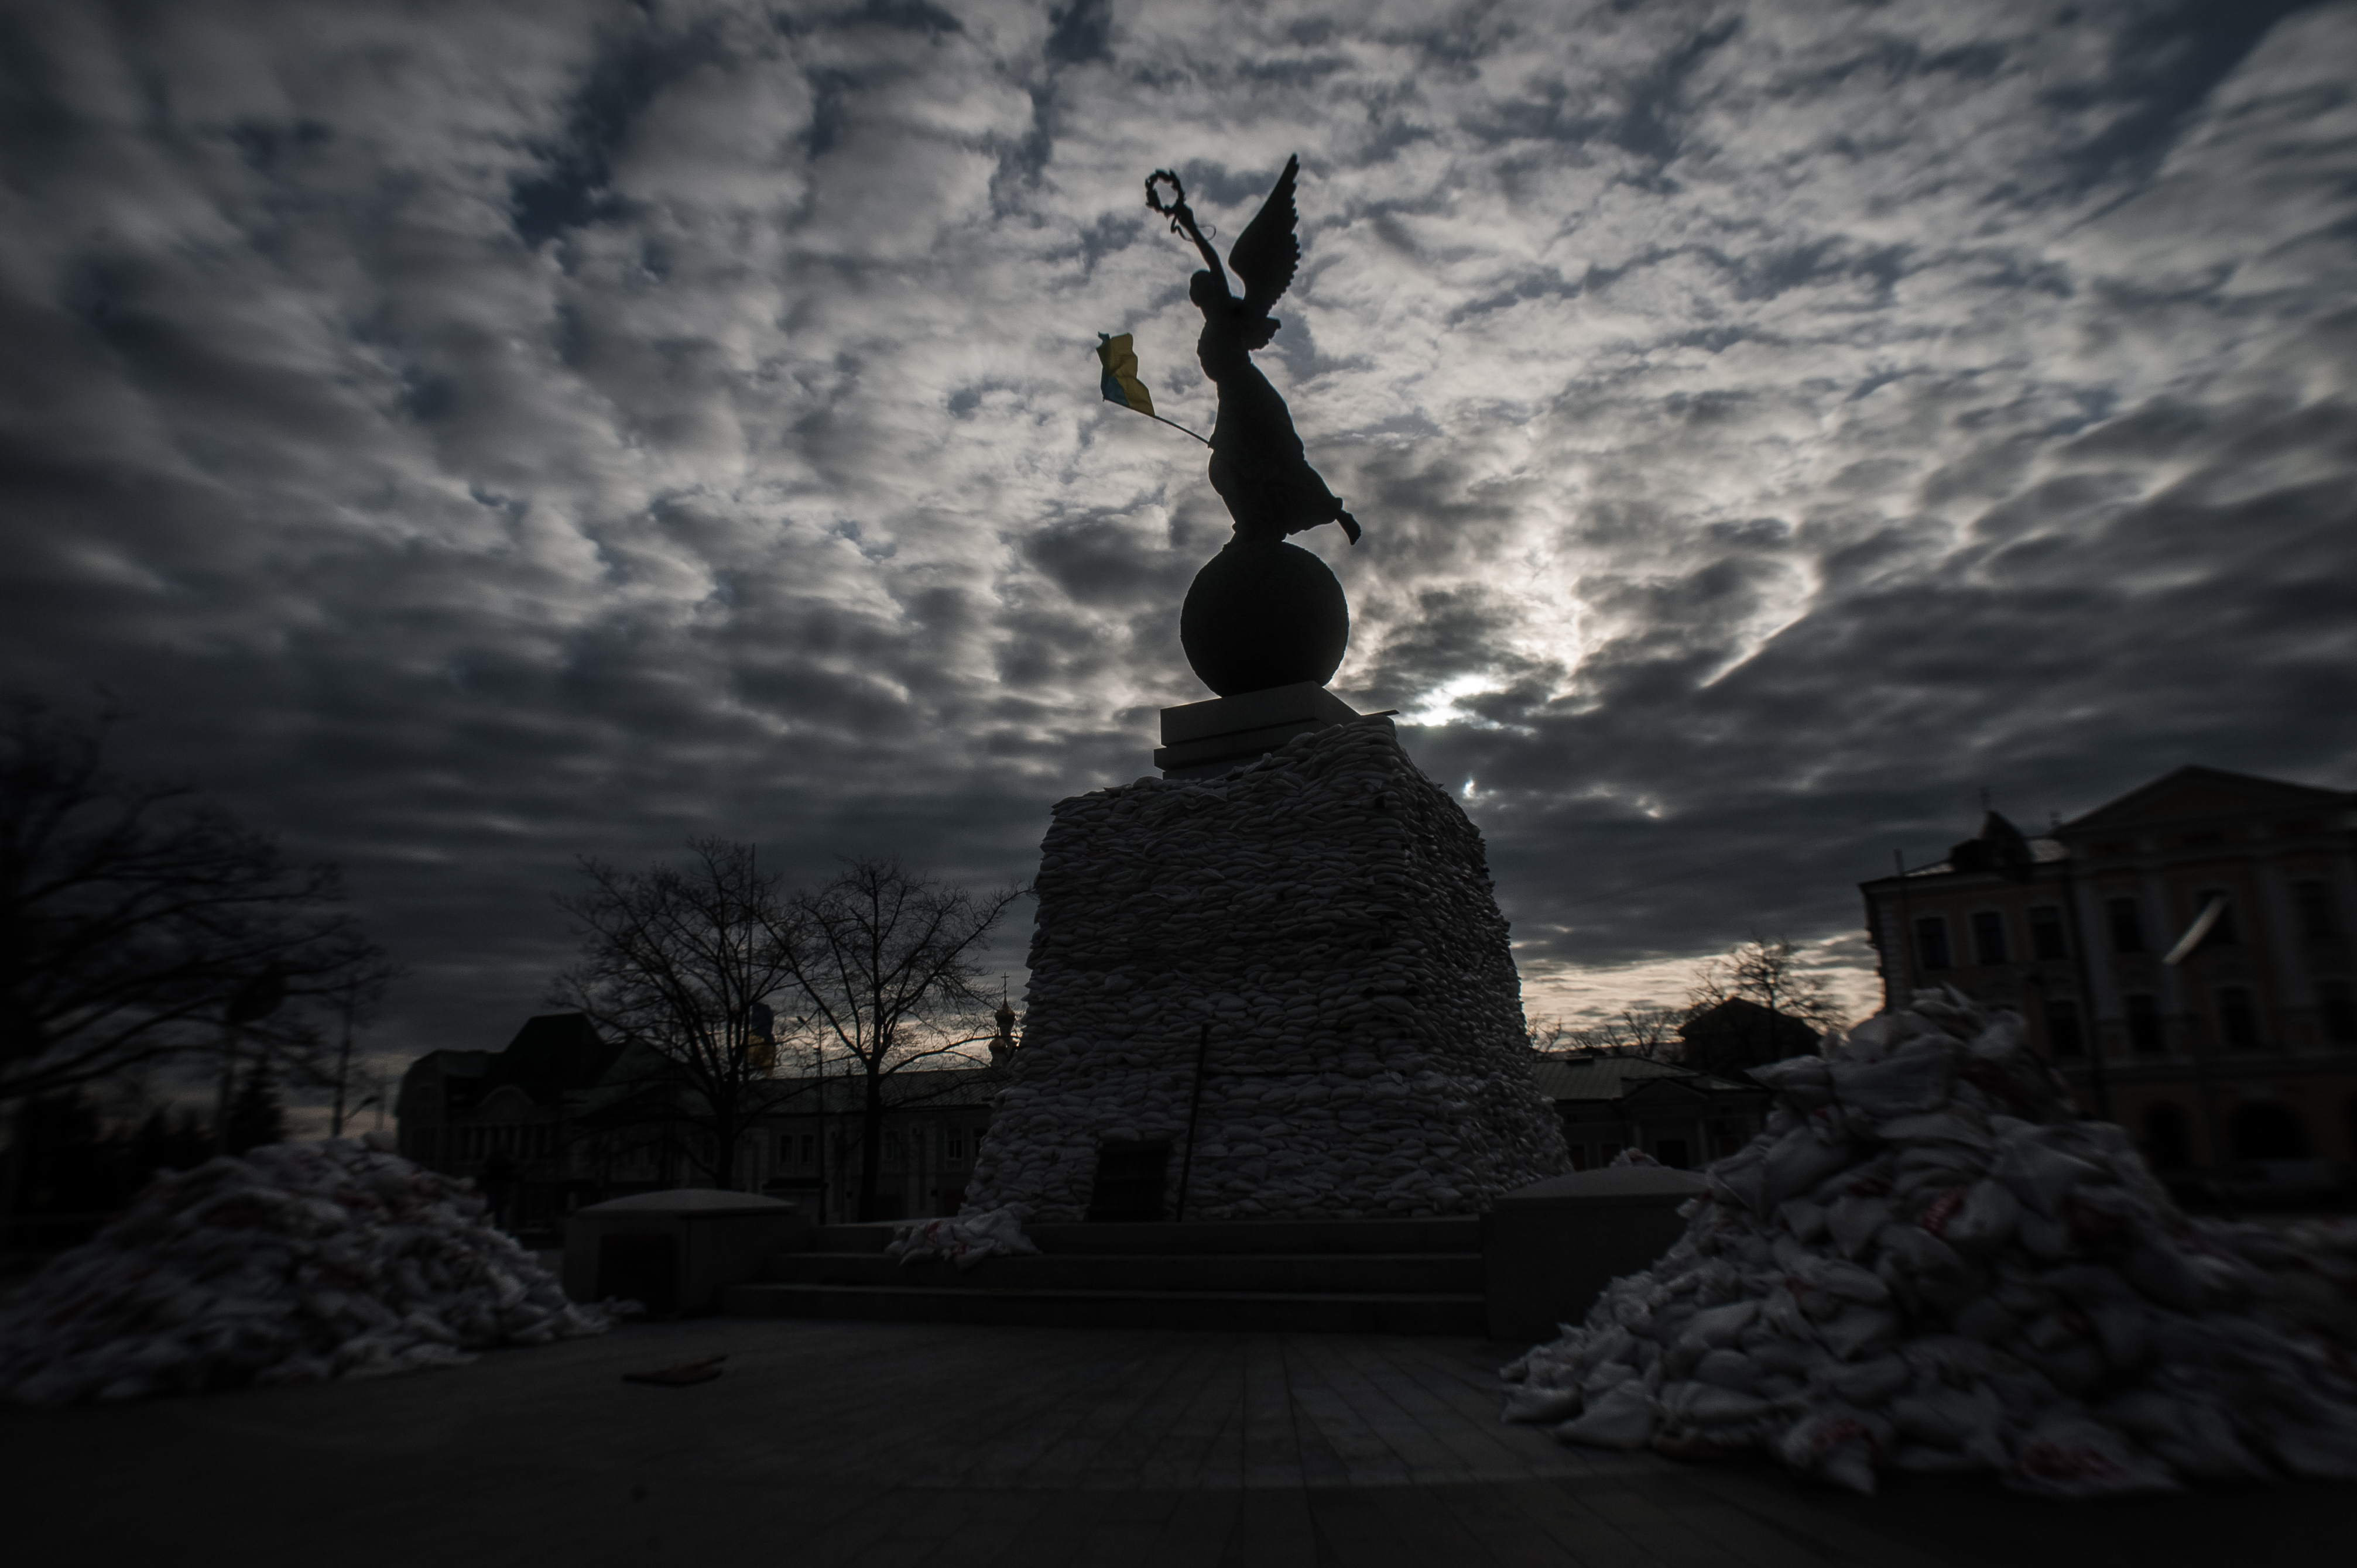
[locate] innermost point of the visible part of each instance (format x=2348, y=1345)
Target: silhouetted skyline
x=470, y=442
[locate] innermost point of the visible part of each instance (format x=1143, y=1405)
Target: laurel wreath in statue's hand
x=1182, y=221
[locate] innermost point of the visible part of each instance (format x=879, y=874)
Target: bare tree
x=885, y=963
x=353, y=995
x=131, y=916
x=678, y=965
x=1757, y=1003
x=1770, y=974
x=134, y=921
x=1646, y=1031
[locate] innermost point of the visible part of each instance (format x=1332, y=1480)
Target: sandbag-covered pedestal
x=1282, y=993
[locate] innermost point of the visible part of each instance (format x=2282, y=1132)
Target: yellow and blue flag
x=1121, y=384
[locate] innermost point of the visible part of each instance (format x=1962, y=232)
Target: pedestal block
x=1296, y=977
x=1549, y=1250
x=1204, y=739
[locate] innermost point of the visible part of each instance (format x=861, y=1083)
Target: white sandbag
x=2078, y=1457
x=1937, y=1127
x=1968, y=1420
x=1805, y=1220
x=1982, y=1220
x=1869, y=1382
x=1855, y=1219
x=1625, y=1416
x=1985, y=1318
x=1843, y=1279
x=1914, y=1079
x=1530, y=1402
x=2039, y=1176
x=1707, y=1405
x=1839, y=1443
x=1860, y=1330
x=2196, y=1437
x=1796, y=1162
x=1716, y=1325
x=1729, y=1369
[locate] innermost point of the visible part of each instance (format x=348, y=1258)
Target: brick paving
x=910, y=1444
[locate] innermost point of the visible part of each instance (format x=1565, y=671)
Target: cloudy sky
x=469, y=437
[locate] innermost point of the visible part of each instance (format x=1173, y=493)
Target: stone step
x=1282, y=1273
x=1295, y=1312
x=1291, y=1236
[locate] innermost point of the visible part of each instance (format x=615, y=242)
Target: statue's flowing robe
x=1257, y=464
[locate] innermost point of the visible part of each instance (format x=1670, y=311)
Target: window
x=2264, y=1130
x=2339, y=1011
x=1988, y=936
x=893, y=1153
x=2146, y=1037
x=2046, y=933
x=2063, y=1028
x=2166, y=1143
x=955, y=1144
x=810, y=1149
x=2312, y=902
x=2127, y=927
x=2237, y=1023
x=1578, y=1156
x=2223, y=934
x=1932, y=942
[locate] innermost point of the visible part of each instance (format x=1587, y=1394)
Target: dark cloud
x=471, y=443
x=1083, y=32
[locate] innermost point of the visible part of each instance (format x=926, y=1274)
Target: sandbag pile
x=964, y=1240
x=297, y=1263
x=1926, y=1263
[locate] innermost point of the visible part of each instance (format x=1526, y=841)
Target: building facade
x=1685, y=1119
x=810, y=1147
x=501, y=1117
x=2184, y=954
x=524, y=1123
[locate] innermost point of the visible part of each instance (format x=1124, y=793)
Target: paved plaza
x=906, y=1444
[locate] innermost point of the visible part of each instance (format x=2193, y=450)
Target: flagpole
x=1158, y=419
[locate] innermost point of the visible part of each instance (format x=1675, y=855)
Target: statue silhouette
x=1257, y=464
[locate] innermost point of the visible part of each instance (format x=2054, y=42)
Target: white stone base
x=1327, y=912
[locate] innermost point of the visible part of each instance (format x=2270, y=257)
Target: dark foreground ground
x=826, y=1443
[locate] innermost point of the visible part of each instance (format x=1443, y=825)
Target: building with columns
x=2185, y=955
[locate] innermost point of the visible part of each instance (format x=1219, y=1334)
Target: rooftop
x=1604, y=1075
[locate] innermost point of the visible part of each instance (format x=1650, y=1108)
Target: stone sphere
x=1263, y=613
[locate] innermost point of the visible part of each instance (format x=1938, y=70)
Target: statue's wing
x=1268, y=251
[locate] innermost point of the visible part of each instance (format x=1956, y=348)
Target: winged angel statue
x=1257, y=464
